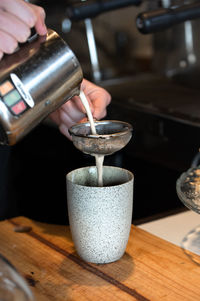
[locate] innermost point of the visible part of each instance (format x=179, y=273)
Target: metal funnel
x=112, y=135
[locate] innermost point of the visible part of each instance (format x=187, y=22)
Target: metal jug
x=34, y=81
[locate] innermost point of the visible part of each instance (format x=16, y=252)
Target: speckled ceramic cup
x=100, y=217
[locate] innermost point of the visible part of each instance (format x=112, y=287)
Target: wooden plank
x=151, y=269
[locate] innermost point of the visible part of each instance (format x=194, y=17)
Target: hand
x=17, y=17
x=73, y=111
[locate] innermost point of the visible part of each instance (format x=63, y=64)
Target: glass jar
x=12, y=285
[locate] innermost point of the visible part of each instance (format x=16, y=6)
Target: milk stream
x=88, y=111
x=99, y=164
x=98, y=158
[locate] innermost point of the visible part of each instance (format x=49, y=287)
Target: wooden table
x=151, y=268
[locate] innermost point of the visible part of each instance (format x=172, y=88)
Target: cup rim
x=104, y=166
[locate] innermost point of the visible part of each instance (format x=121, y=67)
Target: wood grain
x=151, y=268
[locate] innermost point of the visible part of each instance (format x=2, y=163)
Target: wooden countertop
x=151, y=268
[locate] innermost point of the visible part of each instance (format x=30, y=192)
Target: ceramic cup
x=100, y=217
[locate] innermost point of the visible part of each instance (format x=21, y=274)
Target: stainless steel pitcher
x=34, y=81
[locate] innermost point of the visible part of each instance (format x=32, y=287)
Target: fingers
x=99, y=98
x=64, y=130
x=40, y=20
x=55, y=116
x=14, y=27
x=66, y=121
x=1, y=54
x=99, y=114
x=70, y=113
x=73, y=111
x=17, y=17
x=80, y=106
x=7, y=43
x=19, y=9
x=100, y=101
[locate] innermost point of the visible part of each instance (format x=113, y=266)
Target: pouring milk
x=98, y=158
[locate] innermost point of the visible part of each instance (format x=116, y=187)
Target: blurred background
x=154, y=82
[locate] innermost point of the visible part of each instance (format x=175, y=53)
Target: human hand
x=73, y=110
x=17, y=17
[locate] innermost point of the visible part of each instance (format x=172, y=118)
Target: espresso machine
x=173, y=25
